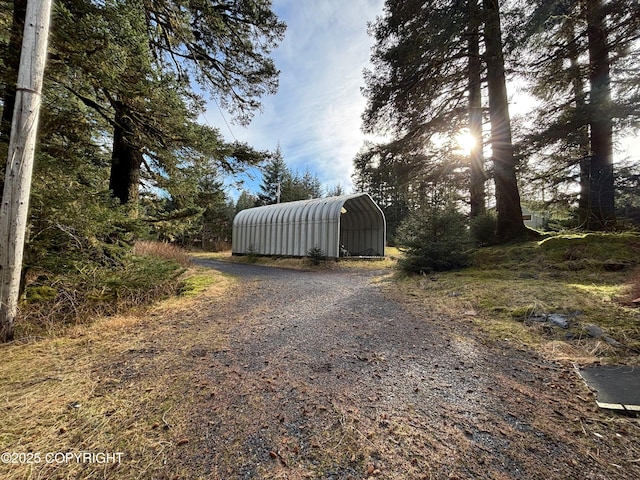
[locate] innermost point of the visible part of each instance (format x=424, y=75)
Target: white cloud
x=315, y=116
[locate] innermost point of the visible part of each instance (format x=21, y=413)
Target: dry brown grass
x=53, y=302
x=118, y=385
x=633, y=287
x=298, y=263
x=164, y=250
x=73, y=305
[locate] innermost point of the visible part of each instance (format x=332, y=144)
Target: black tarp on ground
x=617, y=387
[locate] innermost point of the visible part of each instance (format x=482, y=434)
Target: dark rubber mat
x=617, y=387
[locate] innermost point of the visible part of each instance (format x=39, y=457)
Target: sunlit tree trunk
x=476, y=158
x=510, y=224
x=601, y=184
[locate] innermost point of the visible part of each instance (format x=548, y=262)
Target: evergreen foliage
x=245, y=200
x=316, y=255
x=580, y=60
x=401, y=183
x=280, y=184
x=434, y=239
x=336, y=191
x=482, y=229
x=423, y=90
x=275, y=173
x=84, y=290
x=121, y=154
x=415, y=94
x=627, y=198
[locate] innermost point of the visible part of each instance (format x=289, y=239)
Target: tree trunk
x=510, y=224
x=126, y=159
x=24, y=126
x=476, y=158
x=12, y=63
x=583, y=131
x=10, y=77
x=601, y=184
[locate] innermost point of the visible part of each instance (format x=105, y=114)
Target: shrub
x=316, y=255
x=151, y=271
x=434, y=240
x=483, y=229
x=252, y=254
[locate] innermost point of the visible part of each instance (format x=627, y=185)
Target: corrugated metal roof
x=292, y=228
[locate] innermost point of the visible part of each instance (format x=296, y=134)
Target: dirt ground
x=331, y=374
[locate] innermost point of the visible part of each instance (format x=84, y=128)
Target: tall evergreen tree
x=141, y=57
x=581, y=58
x=416, y=95
x=245, y=200
x=275, y=173
x=336, y=191
x=311, y=186
x=426, y=86
x=119, y=89
x=510, y=225
x=601, y=186
x=224, y=46
x=477, y=175
x=300, y=187
x=280, y=184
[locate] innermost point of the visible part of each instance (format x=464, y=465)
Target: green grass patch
x=590, y=251
x=193, y=285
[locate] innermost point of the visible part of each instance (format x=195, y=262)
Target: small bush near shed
x=434, y=240
x=252, y=254
x=316, y=255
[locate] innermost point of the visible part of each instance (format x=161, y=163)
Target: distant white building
x=532, y=219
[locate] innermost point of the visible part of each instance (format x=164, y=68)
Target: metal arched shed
x=336, y=225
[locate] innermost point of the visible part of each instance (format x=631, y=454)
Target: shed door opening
x=361, y=229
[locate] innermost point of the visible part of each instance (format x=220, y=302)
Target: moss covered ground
x=589, y=279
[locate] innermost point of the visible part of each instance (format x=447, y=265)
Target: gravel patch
x=331, y=374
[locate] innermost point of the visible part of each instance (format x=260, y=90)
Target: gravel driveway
x=333, y=374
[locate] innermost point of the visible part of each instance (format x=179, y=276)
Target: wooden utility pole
x=17, y=184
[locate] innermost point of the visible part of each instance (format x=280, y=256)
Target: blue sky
x=315, y=116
